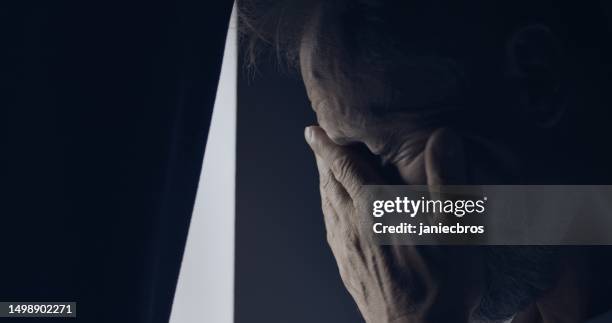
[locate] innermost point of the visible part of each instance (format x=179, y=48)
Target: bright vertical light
x=205, y=289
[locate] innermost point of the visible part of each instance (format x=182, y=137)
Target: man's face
x=384, y=111
x=393, y=108
x=381, y=109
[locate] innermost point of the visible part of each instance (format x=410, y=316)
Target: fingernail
x=308, y=134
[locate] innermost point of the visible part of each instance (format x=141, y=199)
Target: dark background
x=285, y=271
x=104, y=106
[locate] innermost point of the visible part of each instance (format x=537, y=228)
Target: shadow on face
x=503, y=92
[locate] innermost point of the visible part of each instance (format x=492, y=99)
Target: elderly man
x=448, y=92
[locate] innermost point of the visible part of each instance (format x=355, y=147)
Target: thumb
x=445, y=160
x=350, y=167
x=444, y=165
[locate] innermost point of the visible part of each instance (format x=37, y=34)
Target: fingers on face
x=348, y=168
x=338, y=181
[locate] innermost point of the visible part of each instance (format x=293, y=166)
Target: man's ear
x=535, y=63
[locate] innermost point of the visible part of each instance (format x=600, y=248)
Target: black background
x=104, y=109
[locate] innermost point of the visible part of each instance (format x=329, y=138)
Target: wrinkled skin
x=391, y=283
x=426, y=284
x=403, y=283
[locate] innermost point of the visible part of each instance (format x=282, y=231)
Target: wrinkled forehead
x=352, y=90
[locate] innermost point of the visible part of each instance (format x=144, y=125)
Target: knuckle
x=325, y=183
x=343, y=166
x=326, y=205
